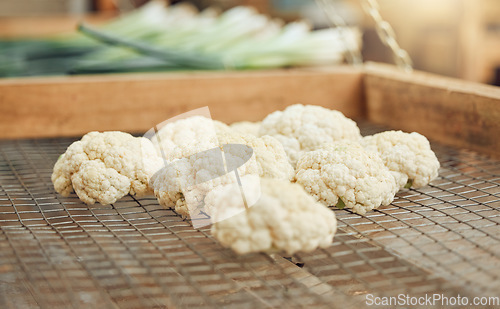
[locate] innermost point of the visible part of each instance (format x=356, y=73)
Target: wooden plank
x=69, y=106
x=15, y=289
x=40, y=26
x=33, y=7
x=450, y=111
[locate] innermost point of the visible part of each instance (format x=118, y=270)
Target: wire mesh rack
x=56, y=252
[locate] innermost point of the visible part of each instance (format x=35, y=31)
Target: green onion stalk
x=159, y=38
x=57, y=54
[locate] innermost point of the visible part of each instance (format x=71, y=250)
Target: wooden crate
x=450, y=111
x=40, y=26
x=447, y=110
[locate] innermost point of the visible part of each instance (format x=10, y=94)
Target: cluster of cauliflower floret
x=264, y=184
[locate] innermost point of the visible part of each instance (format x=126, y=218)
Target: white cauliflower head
x=345, y=175
x=95, y=182
x=247, y=127
x=184, y=183
x=188, y=136
x=284, y=218
x=302, y=128
x=408, y=154
x=271, y=158
x=103, y=167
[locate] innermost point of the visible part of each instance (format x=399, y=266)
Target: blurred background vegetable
x=157, y=37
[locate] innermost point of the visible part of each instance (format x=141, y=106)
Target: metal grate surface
x=56, y=252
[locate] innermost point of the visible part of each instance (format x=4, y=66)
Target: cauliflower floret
x=284, y=218
x=184, y=183
x=188, y=136
x=96, y=182
x=247, y=127
x=173, y=185
x=302, y=128
x=272, y=161
x=408, y=154
x=345, y=175
x=103, y=167
x=248, y=188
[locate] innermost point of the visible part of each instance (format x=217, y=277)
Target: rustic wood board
x=40, y=26
x=71, y=106
x=450, y=111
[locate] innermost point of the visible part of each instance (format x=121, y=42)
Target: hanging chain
x=387, y=35
x=353, y=55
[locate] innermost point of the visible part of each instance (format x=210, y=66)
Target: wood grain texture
x=72, y=106
x=447, y=110
x=40, y=26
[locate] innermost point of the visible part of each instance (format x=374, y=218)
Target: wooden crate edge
x=447, y=110
x=72, y=106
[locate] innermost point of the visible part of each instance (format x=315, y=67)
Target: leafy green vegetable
x=340, y=204
x=156, y=37
x=408, y=184
x=180, y=58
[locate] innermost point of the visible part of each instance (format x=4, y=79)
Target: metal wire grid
x=58, y=252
